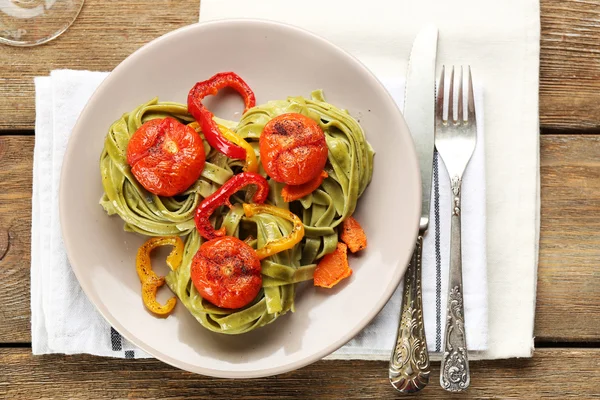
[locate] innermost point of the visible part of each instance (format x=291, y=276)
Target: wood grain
x=16, y=163
x=570, y=64
x=84, y=377
x=107, y=31
x=568, y=306
x=103, y=35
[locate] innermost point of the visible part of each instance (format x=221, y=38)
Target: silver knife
x=409, y=365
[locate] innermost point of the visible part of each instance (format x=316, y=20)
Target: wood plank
x=16, y=164
x=570, y=64
x=104, y=34
x=108, y=31
x=568, y=307
x=78, y=377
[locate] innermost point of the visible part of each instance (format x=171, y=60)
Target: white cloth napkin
x=62, y=318
x=64, y=321
x=377, y=340
x=500, y=40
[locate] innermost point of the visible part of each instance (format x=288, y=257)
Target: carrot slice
x=295, y=192
x=353, y=235
x=333, y=267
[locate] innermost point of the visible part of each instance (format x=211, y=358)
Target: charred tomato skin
x=293, y=149
x=166, y=157
x=226, y=272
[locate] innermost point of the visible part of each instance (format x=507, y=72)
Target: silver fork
x=455, y=142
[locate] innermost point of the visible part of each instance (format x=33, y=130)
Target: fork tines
x=470, y=98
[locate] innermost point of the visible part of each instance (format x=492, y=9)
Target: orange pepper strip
x=150, y=281
x=286, y=242
x=332, y=268
x=353, y=235
x=295, y=192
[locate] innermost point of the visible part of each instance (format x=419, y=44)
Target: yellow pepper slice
x=251, y=160
x=284, y=243
x=150, y=281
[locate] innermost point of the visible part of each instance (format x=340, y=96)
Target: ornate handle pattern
x=409, y=366
x=454, y=373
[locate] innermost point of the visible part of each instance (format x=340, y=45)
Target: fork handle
x=454, y=372
x=409, y=366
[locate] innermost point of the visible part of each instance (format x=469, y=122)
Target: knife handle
x=409, y=366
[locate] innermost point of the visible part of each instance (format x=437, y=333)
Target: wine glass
x=33, y=22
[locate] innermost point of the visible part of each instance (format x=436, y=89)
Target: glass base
x=33, y=22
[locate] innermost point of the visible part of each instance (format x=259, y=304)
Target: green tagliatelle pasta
x=349, y=166
x=144, y=212
x=281, y=272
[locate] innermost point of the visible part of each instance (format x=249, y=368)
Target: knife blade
x=419, y=108
x=409, y=368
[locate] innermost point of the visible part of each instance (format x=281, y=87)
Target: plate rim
x=78, y=271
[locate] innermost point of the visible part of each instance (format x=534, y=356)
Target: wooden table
x=566, y=363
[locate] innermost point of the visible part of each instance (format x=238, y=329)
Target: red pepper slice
x=205, y=117
x=221, y=197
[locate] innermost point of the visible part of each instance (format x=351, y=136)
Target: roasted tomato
x=226, y=272
x=293, y=149
x=166, y=156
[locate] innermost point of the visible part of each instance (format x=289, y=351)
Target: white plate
x=277, y=61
